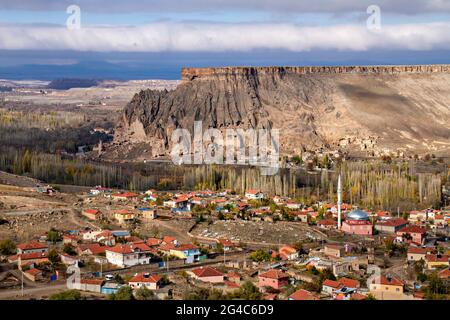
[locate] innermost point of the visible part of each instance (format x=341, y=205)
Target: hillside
x=363, y=110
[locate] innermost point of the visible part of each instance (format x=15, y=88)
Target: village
x=221, y=245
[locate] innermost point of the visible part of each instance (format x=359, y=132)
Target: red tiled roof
x=436, y=258
x=252, y=191
x=394, y=222
x=35, y=255
x=349, y=283
x=444, y=274
x=231, y=284
x=32, y=245
x=180, y=247
x=153, y=242
x=206, y=272
x=226, y=242
x=418, y=250
x=33, y=271
x=303, y=295
x=273, y=274
x=331, y=283
x=98, y=282
x=95, y=248
x=358, y=296
x=125, y=195
x=91, y=211
x=146, y=278
x=392, y=281
x=327, y=222
x=169, y=239
x=413, y=229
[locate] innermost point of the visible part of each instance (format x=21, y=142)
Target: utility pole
x=339, y=202
x=22, y=282
x=167, y=264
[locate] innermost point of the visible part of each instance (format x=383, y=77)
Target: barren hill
x=365, y=110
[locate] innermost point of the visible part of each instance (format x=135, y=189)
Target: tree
x=69, y=249
x=7, y=247
x=66, y=295
x=259, y=256
x=221, y=216
x=248, y=291
x=143, y=293
x=53, y=256
x=53, y=235
x=124, y=293
x=370, y=297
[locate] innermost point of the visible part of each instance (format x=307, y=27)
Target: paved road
x=39, y=291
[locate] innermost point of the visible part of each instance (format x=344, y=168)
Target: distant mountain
x=65, y=84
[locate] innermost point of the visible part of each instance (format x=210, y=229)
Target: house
x=105, y=237
x=148, y=213
x=110, y=288
x=330, y=286
x=444, y=274
x=90, y=249
x=334, y=250
x=124, y=216
x=126, y=196
x=144, y=279
x=188, y=252
x=233, y=276
x=91, y=214
x=273, y=278
x=226, y=244
x=253, y=194
x=386, y=288
x=71, y=239
x=293, y=205
x=301, y=216
x=127, y=255
x=349, y=283
x=327, y=224
x=434, y=261
x=414, y=234
x=99, y=190
x=207, y=274
x=418, y=253
x=288, y=253
x=390, y=225
x=32, y=247
x=33, y=274
x=153, y=242
x=358, y=227
x=303, y=295
x=169, y=240
x=27, y=258
x=91, y=285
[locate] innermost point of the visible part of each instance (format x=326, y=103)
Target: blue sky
x=217, y=32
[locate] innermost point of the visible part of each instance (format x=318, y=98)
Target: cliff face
x=363, y=108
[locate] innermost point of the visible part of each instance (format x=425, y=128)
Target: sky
x=155, y=38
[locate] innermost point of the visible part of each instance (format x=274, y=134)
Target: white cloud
x=167, y=36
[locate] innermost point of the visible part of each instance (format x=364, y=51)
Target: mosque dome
x=358, y=215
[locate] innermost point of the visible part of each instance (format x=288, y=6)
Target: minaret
x=339, y=201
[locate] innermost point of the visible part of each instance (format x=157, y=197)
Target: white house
x=147, y=280
x=253, y=194
x=127, y=256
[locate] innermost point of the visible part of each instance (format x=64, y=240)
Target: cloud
x=216, y=37
x=271, y=6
